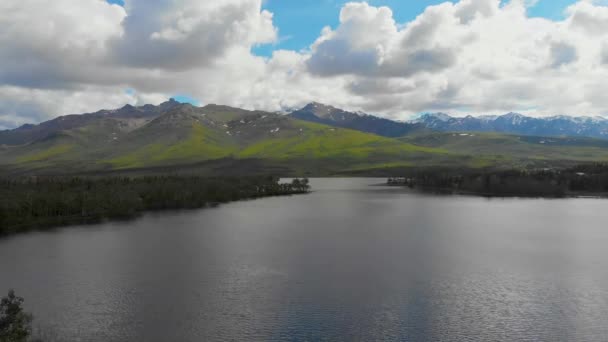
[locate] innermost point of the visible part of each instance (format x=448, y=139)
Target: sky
x=393, y=58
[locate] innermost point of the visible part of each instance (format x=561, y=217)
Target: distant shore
x=584, y=181
x=457, y=192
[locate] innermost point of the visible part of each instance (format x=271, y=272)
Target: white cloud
x=42, y=43
x=182, y=34
x=473, y=56
x=369, y=43
x=604, y=53
x=52, y=49
x=588, y=17
x=22, y=105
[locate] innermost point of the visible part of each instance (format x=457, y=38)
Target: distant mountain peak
x=513, y=115
x=218, y=106
x=320, y=109
x=513, y=118
x=330, y=115
x=437, y=116
x=517, y=123
x=127, y=118
x=317, y=104
x=128, y=106
x=26, y=126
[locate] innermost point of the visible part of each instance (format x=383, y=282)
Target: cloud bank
x=472, y=56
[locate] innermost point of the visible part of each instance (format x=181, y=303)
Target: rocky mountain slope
x=173, y=136
x=328, y=115
x=511, y=123
x=123, y=120
x=514, y=123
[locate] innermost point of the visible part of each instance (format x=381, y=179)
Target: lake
x=350, y=261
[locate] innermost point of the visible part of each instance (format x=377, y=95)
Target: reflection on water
x=348, y=262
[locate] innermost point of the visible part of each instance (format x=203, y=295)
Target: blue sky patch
x=300, y=22
x=186, y=99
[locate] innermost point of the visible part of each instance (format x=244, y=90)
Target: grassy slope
x=215, y=133
x=75, y=148
x=42, y=152
x=296, y=144
x=46, y=154
x=320, y=149
x=320, y=141
x=492, y=148
x=201, y=144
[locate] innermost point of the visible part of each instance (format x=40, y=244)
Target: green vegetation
x=225, y=114
x=53, y=151
x=201, y=144
x=582, y=180
x=184, y=135
x=320, y=141
x=37, y=203
x=494, y=149
x=15, y=323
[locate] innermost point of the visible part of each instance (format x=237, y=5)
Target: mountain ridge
x=329, y=115
x=510, y=123
x=516, y=123
x=318, y=140
x=130, y=116
x=184, y=134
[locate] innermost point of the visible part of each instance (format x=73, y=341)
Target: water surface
x=348, y=262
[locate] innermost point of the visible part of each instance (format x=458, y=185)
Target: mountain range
x=514, y=123
x=511, y=123
x=324, y=114
x=175, y=135
x=508, y=140
x=314, y=140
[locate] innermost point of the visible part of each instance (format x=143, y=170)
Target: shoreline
x=453, y=192
x=94, y=221
x=46, y=204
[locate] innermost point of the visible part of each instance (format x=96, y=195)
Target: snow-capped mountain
x=512, y=123
x=515, y=123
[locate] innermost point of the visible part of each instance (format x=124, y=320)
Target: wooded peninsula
x=39, y=203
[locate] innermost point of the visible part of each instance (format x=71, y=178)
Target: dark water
x=348, y=262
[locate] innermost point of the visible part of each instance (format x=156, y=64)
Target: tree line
x=588, y=179
x=38, y=203
x=15, y=323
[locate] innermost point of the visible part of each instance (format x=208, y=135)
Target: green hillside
x=188, y=135
x=512, y=150
x=184, y=136
x=320, y=141
x=277, y=139
x=201, y=144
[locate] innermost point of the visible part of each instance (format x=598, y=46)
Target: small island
x=35, y=203
x=589, y=180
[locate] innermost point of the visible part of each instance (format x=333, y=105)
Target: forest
x=35, y=203
x=581, y=180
